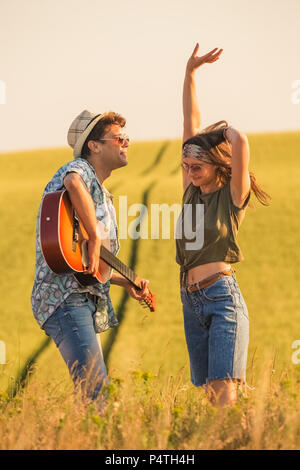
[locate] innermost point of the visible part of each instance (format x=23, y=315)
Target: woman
x=215, y=174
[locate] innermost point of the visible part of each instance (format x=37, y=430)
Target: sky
x=59, y=57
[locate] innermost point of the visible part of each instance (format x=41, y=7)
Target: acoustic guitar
x=64, y=243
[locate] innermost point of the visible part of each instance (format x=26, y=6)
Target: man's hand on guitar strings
x=94, y=246
x=138, y=295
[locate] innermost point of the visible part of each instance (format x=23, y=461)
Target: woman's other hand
x=231, y=134
x=194, y=61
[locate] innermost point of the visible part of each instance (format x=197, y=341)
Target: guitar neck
x=115, y=263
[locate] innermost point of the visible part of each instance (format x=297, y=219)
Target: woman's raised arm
x=191, y=112
x=240, y=182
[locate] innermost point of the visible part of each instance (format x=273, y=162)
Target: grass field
x=146, y=354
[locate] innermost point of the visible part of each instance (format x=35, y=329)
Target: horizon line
x=161, y=139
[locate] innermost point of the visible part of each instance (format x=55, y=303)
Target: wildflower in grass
x=147, y=376
x=177, y=411
x=98, y=420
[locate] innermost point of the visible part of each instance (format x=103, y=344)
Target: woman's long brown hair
x=212, y=141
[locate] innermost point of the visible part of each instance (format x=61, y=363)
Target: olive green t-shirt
x=218, y=224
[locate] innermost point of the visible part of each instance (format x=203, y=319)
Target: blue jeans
x=71, y=328
x=216, y=328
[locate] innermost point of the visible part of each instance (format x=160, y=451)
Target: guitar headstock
x=149, y=301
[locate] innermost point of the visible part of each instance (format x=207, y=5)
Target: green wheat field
x=152, y=404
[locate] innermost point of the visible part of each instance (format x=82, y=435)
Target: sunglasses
x=121, y=140
x=193, y=168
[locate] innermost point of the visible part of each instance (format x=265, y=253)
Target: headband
x=194, y=151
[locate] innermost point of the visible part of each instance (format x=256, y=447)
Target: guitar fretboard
x=115, y=263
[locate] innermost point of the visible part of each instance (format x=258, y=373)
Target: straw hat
x=80, y=129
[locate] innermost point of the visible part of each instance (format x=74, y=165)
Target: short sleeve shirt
x=220, y=225
x=50, y=289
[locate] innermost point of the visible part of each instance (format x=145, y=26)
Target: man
x=64, y=309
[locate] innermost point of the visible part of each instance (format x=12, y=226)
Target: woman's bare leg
x=222, y=392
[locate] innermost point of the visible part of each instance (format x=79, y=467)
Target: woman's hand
x=232, y=134
x=194, y=62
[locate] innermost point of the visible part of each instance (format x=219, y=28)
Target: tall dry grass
x=144, y=413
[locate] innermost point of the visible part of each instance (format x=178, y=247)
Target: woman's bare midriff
x=202, y=271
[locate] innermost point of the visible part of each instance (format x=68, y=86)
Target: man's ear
x=94, y=146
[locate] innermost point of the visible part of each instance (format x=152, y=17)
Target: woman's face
x=200, y=173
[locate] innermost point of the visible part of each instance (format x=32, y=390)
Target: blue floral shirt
x=50, y=289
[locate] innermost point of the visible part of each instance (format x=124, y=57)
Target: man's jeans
x=71, y=328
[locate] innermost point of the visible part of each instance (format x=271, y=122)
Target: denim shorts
x=71, y=328
x=216, y=325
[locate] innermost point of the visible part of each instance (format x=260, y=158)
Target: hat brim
x=80, y=141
